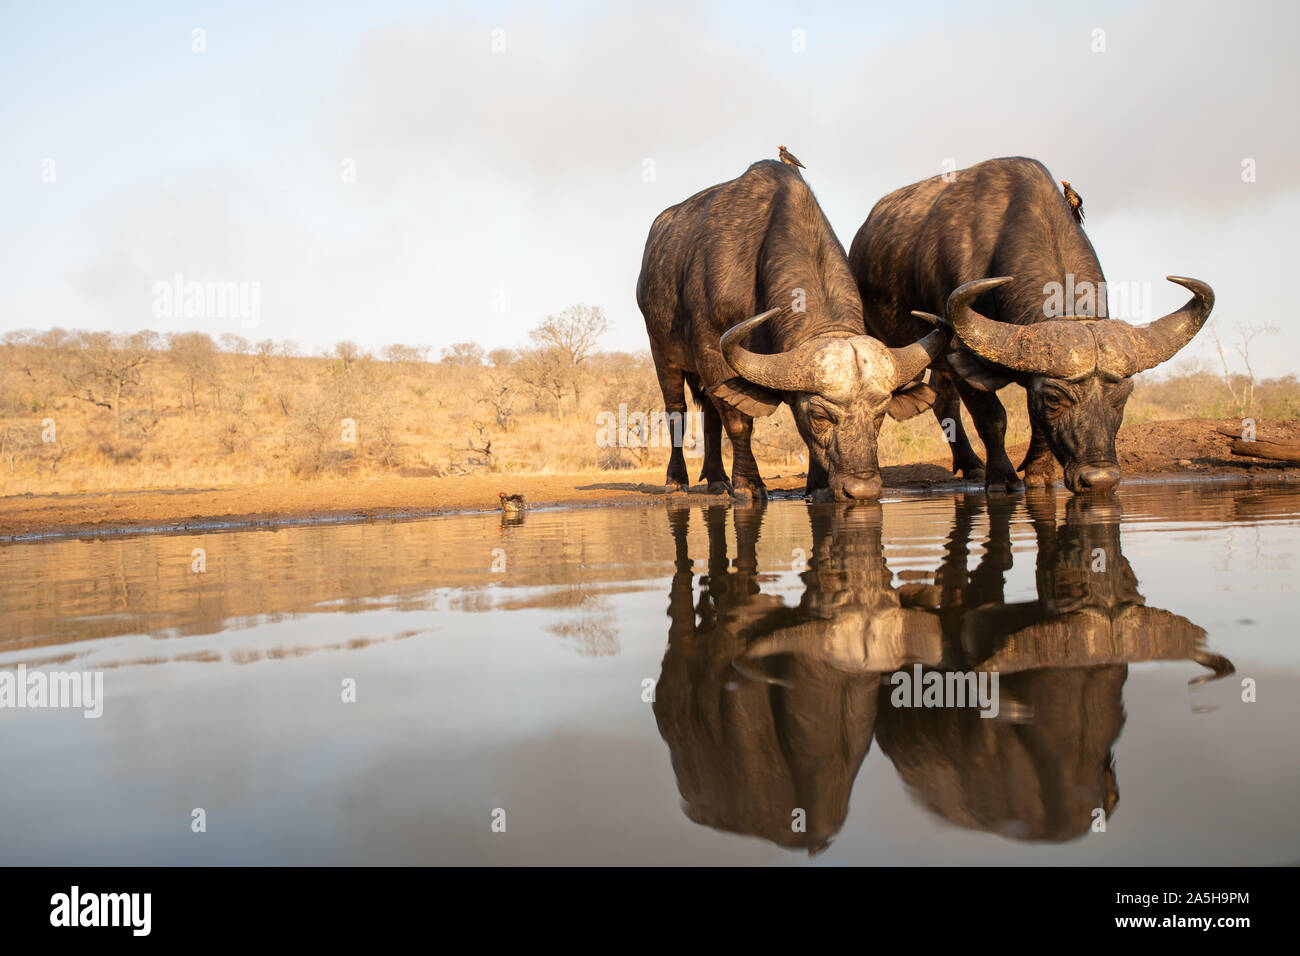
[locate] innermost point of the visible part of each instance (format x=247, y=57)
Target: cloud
x=521, y=170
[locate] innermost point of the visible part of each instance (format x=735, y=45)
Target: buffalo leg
x=1039, y=465
x=672, y=383
x=988, y=581
x=745, y=479
x=991, y=423
x=947, y=409
x=714, y=472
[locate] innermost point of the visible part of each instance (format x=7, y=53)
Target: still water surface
x=671, y=685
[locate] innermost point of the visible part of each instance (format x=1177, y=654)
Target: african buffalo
x=935, y=244
x=767, y=714
x=769, y=708
x=1041, y=771
x=761, y=244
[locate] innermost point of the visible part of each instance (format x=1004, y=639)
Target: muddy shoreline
x=1179, y=450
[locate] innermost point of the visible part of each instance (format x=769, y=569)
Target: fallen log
x=1272, y=450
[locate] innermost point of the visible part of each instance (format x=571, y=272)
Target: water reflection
x=747, y=751
x=769, y=710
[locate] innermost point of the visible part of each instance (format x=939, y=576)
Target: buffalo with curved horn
x=748, y=299
x=934, y=243
x=1042, y=770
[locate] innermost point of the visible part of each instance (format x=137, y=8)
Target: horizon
x=322, y=160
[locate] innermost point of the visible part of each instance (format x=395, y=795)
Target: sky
x=435, y=173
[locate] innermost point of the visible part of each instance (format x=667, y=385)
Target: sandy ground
x=1179, y=448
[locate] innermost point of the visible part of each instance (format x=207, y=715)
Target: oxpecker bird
x=1075, y=201
x=790, y=158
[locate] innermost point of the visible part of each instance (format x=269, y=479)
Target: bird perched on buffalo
x=790, y=158
x=1075, y=201
x=511, y=504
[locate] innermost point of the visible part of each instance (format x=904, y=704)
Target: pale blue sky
x=522, y=170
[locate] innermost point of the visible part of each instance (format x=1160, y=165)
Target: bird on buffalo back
x=790, y=158
x=1075, y=201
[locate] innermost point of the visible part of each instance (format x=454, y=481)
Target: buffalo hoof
x=745, y=490
x=674, y=488
x=1004, y=485
x=719, y=487
x=974, y=473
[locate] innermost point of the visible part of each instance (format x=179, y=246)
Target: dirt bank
x=1189, y=448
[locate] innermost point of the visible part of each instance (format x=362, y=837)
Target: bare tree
x=195, y=356
x=574, y=333
x=480, y=450
x=500, y=392
x=19, y=337
x=1243, y=397
x=348, y=353
x=142, y=421
x=639, y=393
x=15, y=441
x=484, y=446
x=406, y=354
x=55, y=339
x=548, y=372
x=103, y=368
x=235, y=344
x=468, y=354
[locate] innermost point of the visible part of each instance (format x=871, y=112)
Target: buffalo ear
x=746, y=397
x=973, y=371
x=910, y=400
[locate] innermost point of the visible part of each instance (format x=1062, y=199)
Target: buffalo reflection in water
x=769, y=710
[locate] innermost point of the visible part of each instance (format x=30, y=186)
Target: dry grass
x=187, y=414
